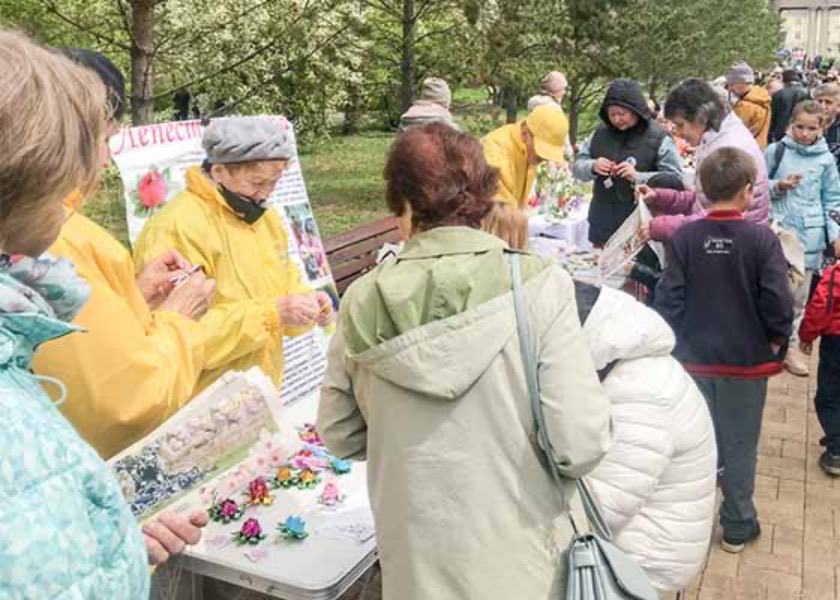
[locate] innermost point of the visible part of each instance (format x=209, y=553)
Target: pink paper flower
x=152, y=189
x=228, y=509
x=251, y=528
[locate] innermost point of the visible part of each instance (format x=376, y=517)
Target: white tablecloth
x=574, y=229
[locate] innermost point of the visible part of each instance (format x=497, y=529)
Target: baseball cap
x=549, y=126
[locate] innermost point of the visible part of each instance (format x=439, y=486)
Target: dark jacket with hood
x=613, y=203
x=781, y=108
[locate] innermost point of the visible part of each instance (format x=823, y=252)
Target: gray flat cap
x=247, y=139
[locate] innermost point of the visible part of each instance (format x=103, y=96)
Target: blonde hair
x=52, y=122
x=830, y=90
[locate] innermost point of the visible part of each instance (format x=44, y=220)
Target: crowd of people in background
x=652, y=404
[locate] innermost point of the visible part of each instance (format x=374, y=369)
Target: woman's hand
x=299, y=310
x=326, y=314
x=155, y=281
x=627, y=171
x=603, y=167
x=646, y=193
x=171, y=534
x=192, y=298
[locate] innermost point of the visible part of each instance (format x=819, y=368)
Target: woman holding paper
x=142, y=351
x=222, y=222
x=425, y=379
x=65, y=530
x=701, y=118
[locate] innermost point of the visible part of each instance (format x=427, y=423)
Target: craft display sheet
x=340, y=538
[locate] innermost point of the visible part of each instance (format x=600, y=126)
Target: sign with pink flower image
x=154, y=188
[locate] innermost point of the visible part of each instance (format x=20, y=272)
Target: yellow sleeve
x=230, y=329
x=124, y=378
x=496, y=155
x=752, y=119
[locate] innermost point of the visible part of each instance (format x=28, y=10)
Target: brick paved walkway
x=798, y=554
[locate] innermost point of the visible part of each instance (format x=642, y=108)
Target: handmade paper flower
x=309, y=435
x=308, y=479
x=293, y=528
x=340, y=466
x=251, y=533
x=258, y=492
x=152, y=189
x=226, y=511
x=306, y=460
x=285, y=478
x=330, y=496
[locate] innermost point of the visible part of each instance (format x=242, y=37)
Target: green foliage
x=685, y=38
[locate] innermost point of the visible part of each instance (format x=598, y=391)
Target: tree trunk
x=511, y=108
x=574, y=114
x=142, y=52
x=407, y=61
x=352, y=110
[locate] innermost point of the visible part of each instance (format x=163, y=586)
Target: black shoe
x=830, y=463
x=735, y=545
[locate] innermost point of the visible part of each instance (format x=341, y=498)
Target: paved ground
x=798, y=555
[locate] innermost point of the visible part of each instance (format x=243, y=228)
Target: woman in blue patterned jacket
x=65, y=530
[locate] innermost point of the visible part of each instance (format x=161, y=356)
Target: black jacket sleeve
x=670, y=293
x=775, y=299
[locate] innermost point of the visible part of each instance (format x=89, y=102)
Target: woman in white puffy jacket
x=656, y=486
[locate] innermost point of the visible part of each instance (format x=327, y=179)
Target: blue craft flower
x=341, y=466
x=293, y=528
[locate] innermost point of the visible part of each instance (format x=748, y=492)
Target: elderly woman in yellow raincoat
x=222, y=223
x=141, y=352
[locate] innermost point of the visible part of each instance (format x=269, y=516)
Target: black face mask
x=246, y=209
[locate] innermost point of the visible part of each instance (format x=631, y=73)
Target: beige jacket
x=463, y=507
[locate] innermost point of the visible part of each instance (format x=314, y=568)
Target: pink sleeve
x=672, y=202
x=663, y=228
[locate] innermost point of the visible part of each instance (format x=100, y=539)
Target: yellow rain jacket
x=252, y=269
x=132, y=369
x=505, y=150
x=754, y=110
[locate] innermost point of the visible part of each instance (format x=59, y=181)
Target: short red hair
x=442, y=174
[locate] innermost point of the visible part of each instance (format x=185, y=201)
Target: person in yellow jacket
x=749, y=101
x=221, y=222
x=133, y=367
x=516, y=150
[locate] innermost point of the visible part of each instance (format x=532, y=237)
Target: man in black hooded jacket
x=783, y=103
x=626, y=150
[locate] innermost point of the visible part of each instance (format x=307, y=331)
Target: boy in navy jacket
x=726, y=294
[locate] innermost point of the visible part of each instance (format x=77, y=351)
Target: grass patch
x=344, y=179
x=107, y=207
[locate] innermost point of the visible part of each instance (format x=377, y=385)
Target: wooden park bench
x=353, y=253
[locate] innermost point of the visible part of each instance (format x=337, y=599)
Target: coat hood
x=820, y=147
x=758, y=96
x=628, y=94
x=433, y=320
x=38, y=299
x=620, y=328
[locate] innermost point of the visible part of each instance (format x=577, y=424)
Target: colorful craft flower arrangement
x=557, y=192
x=304, y=471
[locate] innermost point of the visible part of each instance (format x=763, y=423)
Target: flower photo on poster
x=154, y=188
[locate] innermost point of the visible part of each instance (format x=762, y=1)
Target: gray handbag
x=597, y=570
